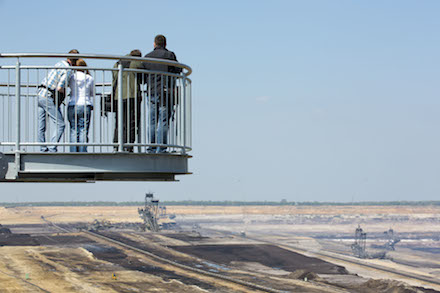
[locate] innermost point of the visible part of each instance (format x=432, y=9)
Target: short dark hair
x=73, y=60
x=136, y=53
x=160, y=41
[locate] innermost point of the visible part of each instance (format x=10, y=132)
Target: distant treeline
x=223, y=203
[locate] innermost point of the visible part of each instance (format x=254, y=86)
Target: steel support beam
x=80, y=167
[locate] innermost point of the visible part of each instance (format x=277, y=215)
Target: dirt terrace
x=58, y=262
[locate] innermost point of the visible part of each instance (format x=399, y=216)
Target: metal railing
x=155, y=105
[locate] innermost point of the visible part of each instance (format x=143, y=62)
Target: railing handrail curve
x=153, y=95
x=98, y=56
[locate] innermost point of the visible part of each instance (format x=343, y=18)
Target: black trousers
x=131, y=117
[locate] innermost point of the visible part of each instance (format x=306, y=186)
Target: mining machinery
x=360, y=239
x=149, y=213
x=392, y=239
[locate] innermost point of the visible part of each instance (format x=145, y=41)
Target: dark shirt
x=155, y=82
x=162, y=53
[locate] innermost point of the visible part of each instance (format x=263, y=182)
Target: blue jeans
x=79, y=126
x=46, y=107
x=159, y=125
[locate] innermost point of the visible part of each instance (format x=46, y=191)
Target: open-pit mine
x=221, y=249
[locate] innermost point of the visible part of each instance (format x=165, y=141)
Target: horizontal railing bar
x=58, y=144
x=93, y=144
x=97, y=56
x=22, y=95
x=135, y=70
x=57, y=67
x=156, y=145
x=37, y=85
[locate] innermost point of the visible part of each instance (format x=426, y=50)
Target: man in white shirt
x=51, y=87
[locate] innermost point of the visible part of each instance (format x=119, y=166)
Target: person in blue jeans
x=161, y=88
x=160, y=114
x=79, y=111
x=47, y=108
x=50, y=90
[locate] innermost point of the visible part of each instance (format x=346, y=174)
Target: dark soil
x=203, y=265
x=425, y=290
x=144, y=246
x=185, y=237
x=427, y=249
x=17, y=240
x=390, y=286
x=62, y=240
x=4, y=230
x=268, y=255
x=30, y=226
x=116, y=256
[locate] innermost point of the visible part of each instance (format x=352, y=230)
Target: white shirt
x=81, y=89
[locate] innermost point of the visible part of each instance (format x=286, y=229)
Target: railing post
x=184, y=113
x=17, y=116
x=17, y=105
x=185, y=116
x=120, y=109
x=190, y=115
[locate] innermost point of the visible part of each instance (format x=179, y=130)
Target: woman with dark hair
x=79, y=111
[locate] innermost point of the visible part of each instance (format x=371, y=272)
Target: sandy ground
x=71, y=268
x=30, y=215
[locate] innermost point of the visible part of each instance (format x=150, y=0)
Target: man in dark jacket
x=161, y=94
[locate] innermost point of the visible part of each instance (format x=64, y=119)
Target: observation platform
x=151, y=151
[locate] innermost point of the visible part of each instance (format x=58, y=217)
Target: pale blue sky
x=302, y=100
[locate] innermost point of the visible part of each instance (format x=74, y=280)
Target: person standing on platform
x=161, y=97
x=51, y=93
x=132, y=98
x=79, y=110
